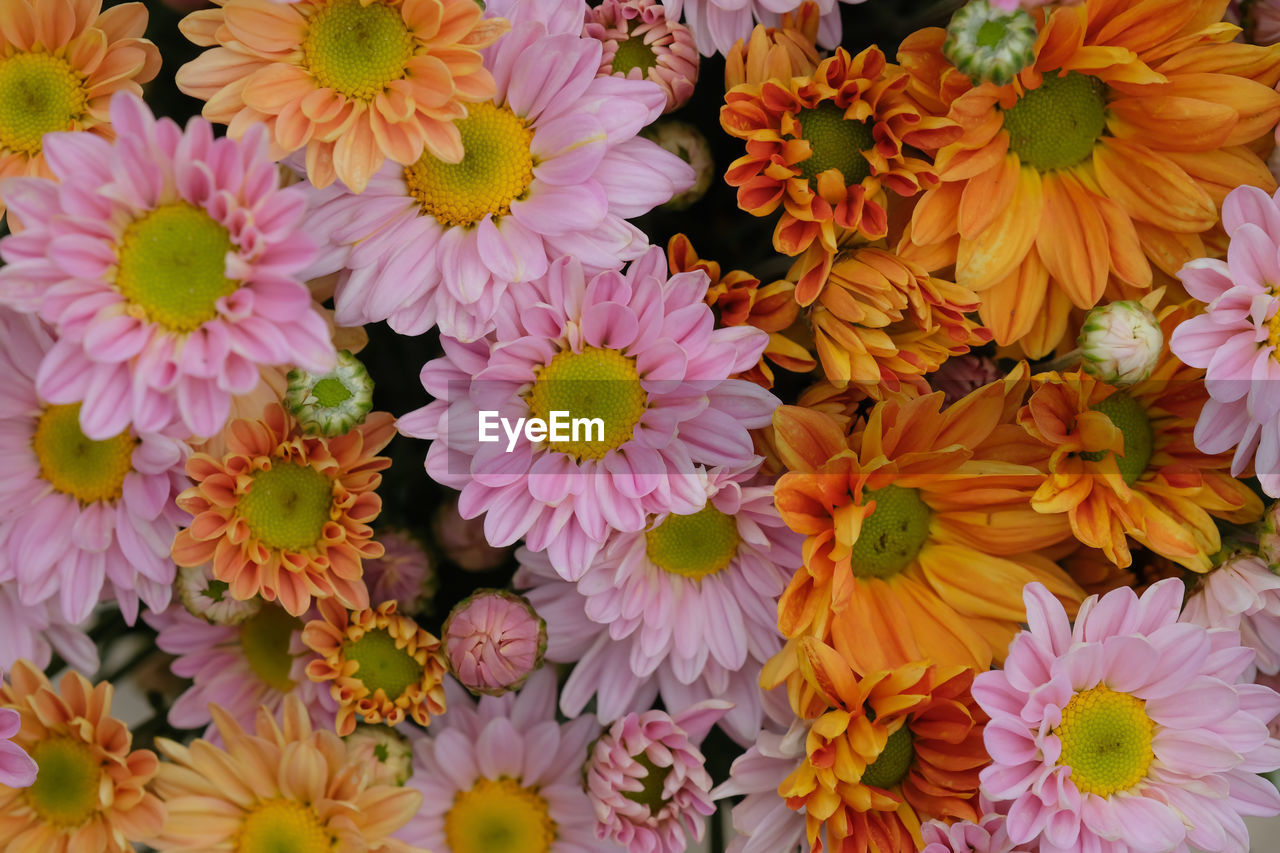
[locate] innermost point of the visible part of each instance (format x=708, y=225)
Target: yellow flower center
x=633, y=53
x=1132, y=421
x=891, y=766
x=264, y=639
x=39, y=94
x=88, y=470
x=65, y=792
x=837, y=143
x=694, y=545
x=892, y=535
x=651, y=794
x=288, y=505
x=172, y=265
x=496, y=169
x=499, y=816
x=1056, y=125
x=284, y=826
x=381, y=665
x=1106, y=740
x=357, y=49
x=593, y=385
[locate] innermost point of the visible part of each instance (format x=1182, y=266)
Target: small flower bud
x=387, y=753
x=210, y=599
x=1120, y=342
x=330, y=404
x=990, y=43
x=494, y=641
x=686, y=142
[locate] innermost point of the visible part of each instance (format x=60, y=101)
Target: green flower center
x=88, y=470
x=836, y=142
x=39, y=94
x=991, y=33
x=1056, y=125
x=651, y=794
x=357, y=49
x=601, y=389
x=694, y=545
x=1106, y=740
x=634, y=53
x=265, y=638
x=499, y=816
x=892, y=535
x=891, y=766
x=330, y=392
x=1132, y=421
x=65, y=792
x=496, y=169
x=382, y=666
x=288, y=505
x=172, y=265
x=284, y=826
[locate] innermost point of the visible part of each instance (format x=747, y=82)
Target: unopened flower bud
x=1120, y=342
x=210, y=599
x=494, y=640
x=387, y=753
x=686, y=142
x=330, y=404
x=989, y=43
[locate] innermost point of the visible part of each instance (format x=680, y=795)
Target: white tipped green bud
x=990, y=44
x=1120, y=343
x=210, y=599
x=330, y=404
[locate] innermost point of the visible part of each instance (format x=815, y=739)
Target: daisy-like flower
x=90, y=791
x=167, y=265
x=35, y=632
x=355, y=83
x=383, y=666
x=60, y=63
x=920, y=529
x=685, y=608
x=1121, y=138
x=254, y=664
x=827, y=145
x=405, y=573
x=638, y=353
x=494, y=640
x=1236, y=340
x=1128, y=731
x=553, y=167
x=286, y=515
x=283, y=784
x=647, y=781
x=17, y=769
x=77, y=516
x=1242, y=593
x=884, y=752
x=1124, y=464
x=503, y=776
x=640, y=43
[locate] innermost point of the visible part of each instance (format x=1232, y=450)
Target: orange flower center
x=836, y=142
x=892, y=535
x=74, y=464
x=356, y=48
x=39, y=93
x=1057, y=125
x=694, y=545
x=65, y=792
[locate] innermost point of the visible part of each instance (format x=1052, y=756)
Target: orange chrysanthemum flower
x=1112, y=151
x=91, y=791
x=825, y=147
x=739, y=300
x=355, y=82
x=920, y=529
x=884, y=752
x=284, y=787
x=782, y=52
x=60, y=63
x=1124, y=464
x=286, y=515
x=382, y=665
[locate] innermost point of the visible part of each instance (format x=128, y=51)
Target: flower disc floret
x=357, y=48
x=499, y=816
x=39, y=94
x=1056, y=125
x=1106, y=740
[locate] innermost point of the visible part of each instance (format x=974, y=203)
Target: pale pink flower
x=462, y=541
x=35, y=632
x=988, y=835
x=660, y=371
x=79, y=518
x=1233, y=340
x=504, y=765
x=699, y=628
x=647, y=781
x=1129, y=732
x=17, y=769
x=424, y=248
x=640, y=43
x=717, y=24
x=1264, y=16
x=101, y=252
x=404, y=574
x=494, y=640
x=1244, y=594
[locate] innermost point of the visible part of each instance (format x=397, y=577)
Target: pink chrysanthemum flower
x=239, y=667
x=504, y=768
x=34, y=632
x=636, y=353
x=646, y=779
x=553, y=167
x=494, y=640
x=404, y=573
x=79, y=517
x=1129, y=732
x=167, y=263
x=686, y=608
x=988, y=835
x=1236, y=339
x=640, y=43
x=1242, y=593
x=17, y=769
x=717, y=24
